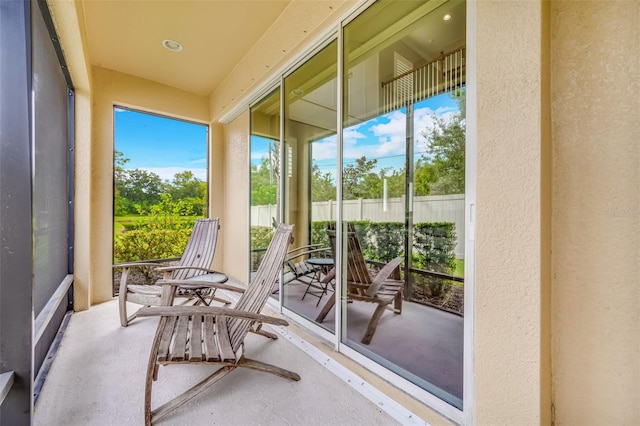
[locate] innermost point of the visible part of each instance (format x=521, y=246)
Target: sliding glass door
x=403, y=190
x=264, y=174
x=310, y=158
x=370, y=168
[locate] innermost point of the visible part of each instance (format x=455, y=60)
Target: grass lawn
x=459, y=271
x=119, y=221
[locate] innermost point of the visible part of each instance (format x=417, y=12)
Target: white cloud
x=425, y=120
x=325, y=149
x=167, y=173
x=259, y=155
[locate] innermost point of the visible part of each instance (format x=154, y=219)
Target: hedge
x=433, y=247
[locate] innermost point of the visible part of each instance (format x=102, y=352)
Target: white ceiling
x=126, y=36
x=236, y=42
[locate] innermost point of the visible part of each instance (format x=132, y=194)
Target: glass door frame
x=467, y=415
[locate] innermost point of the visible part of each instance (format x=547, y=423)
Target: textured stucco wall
x=216, y=187
x=68, y=22
x=235, y=221
x=112, y=88
x=511, y=284
x=596, y=204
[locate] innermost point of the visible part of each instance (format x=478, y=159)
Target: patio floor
x=424, y=344
x=97, y=376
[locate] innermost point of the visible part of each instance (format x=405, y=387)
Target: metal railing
x=444, y=74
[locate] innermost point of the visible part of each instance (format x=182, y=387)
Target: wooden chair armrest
x=136, y=264
x=171, y=268
x=324, y=250
x=303, y=248
x=208, y=310
x=330, y=275
x=148, y=262
x=382, y=275
x=200, y=284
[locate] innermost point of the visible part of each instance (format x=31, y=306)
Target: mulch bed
x=452, y=302
x=135, y=277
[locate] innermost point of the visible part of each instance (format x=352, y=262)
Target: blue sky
x=165, y=146
x=381, y=138
x=161, y=145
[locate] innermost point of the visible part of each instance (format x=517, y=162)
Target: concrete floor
x=97, y=378
x=424, y=345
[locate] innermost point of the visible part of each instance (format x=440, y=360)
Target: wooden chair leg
x=122, y=297
x=326, y=308
x=268, y=368
x=258, y=330
x=373, y=323
x=189, y=394
x=397, y=303
x=152, y=371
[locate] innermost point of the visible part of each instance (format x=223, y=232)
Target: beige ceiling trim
x=303, y=26
x=69, y=23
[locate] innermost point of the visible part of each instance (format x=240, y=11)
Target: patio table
x=199, y=290
x=323, y=264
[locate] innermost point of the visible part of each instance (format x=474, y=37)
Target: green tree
x=263, y=184
x=122, y=206
x=186, y=185
x=446, y=150
x=142, y=188
x=322, y=186
x=359, y=180
x=396, y=182
x=424, y=177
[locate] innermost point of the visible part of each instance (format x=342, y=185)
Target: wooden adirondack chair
x=382, y=289
x=296, y=267
x=195, y=261
x=214, y=335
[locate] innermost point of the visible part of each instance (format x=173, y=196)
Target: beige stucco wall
x=235, y=222
x=596, y=205
x=512, y=282
x=69, y=25
x=112, y=88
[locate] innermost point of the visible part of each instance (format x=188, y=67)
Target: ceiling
x=232, y=46
x=126, y=36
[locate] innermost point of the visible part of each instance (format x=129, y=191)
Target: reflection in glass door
x=310, y=94
x=265, y=174
x=403, y=191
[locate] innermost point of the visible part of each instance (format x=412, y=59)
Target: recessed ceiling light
x=297, y=92
x=172, y=45
x=446, y=17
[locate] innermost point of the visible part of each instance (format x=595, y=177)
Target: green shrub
x=143, y=244
x=319, y=233
x=434, y=244
x=167, y=214
x=433, y=247
x=260, y=239
x=385, y=241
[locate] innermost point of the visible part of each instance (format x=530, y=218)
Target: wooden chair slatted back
x=200, y=248
x=357, y=271
x=258, y=291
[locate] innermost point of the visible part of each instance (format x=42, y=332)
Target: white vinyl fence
x=432, y=208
